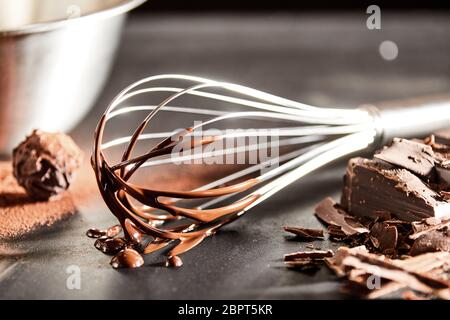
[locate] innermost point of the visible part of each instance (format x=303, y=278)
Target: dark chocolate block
x=372, y=186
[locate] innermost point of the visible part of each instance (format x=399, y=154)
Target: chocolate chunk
x=127, y=258
x=45, y=163
x=416, y=157
x=373, y=186
x=432, y=241
x=305, y=234
x=338, y=220
x=384, y=237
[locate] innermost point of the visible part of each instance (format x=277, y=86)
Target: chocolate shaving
x=365, y=269
x=307, y=260
x=411, y=155
x=338, y=221
x=305, y=234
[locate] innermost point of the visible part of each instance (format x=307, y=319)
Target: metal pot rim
x=123, y=7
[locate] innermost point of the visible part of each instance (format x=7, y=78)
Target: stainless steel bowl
x=55, y=56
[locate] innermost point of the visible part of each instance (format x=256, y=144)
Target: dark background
x=155, y=6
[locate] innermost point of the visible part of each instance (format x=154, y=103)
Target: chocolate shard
x=429, y=262
x=443, y=174
x=336, y=233
x=335, y=262
x=367, y=272
x=416, y=157
x=425, y=226
x=313, y=254
x=433, y=241
x=307, y=260
x=371, y=186
x=338, y=221
x=384, y=237
x=305, y=233
x=441, y=148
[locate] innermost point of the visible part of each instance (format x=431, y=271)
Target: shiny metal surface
x=54, y=59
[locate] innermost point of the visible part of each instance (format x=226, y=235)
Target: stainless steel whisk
x=315, y=136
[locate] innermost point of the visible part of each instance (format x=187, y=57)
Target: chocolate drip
x=110, y=246
x=138, y=222
x=127, y=258
x=111, y=232
x=174, y=261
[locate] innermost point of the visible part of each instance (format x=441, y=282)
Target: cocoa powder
x=19, y=214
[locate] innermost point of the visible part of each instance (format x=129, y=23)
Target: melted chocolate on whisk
x=138, y=222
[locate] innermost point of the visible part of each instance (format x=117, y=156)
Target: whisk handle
x=415, y=117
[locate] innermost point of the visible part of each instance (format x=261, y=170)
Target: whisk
x=313, y=136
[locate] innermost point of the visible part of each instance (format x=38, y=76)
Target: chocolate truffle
x=44, y=164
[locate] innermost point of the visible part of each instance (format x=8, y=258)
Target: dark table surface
x=325, y=60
